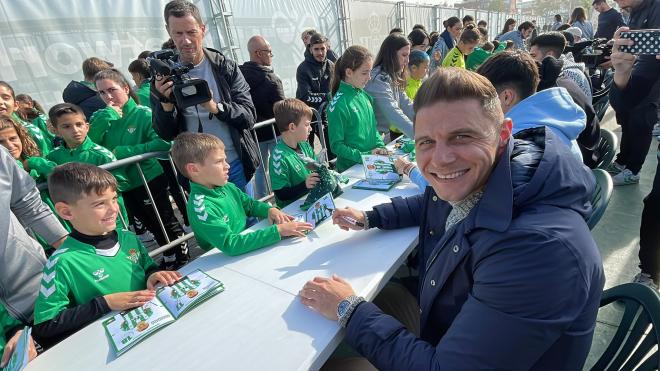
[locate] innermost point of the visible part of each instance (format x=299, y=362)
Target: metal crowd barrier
x=135, y=160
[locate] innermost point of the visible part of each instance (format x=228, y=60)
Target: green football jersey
x=286, y=167
x=43, y=141
x=76, y=273
x=218, y=215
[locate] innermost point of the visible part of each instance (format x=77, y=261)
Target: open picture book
x=379, y=173
x=319, y=211
x=127, y=328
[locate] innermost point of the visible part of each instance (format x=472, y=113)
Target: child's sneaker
x=626, y=177
x=614, y=168
x=168, y=263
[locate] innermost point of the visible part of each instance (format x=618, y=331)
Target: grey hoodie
x=391, y=104
x=22, y=258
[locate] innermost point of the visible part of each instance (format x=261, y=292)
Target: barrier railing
x=137, y=159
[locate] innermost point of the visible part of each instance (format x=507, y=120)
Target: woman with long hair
x=388, y=84
x=509, y=26
x=579, y=19
x=446, y=41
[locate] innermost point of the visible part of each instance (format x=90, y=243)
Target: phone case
x=646, y=42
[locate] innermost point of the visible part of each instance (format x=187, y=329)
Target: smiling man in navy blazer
x=510, y=276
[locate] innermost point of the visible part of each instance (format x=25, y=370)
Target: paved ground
x=617, y=235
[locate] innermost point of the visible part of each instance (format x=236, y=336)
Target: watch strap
x=354, y=302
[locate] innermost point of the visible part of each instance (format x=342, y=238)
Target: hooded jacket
x=555, y=109
x=22, y=257
x=80, y=94
x=515, y=286
x=313, y=78
x=266, y=89
x=238, y=111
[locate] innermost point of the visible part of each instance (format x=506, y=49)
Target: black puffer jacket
x=266, y=89
x=313, y=79
x=84, y=97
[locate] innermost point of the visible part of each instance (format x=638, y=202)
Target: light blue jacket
x=391, y=104
x=515, y=36
x=555, y=109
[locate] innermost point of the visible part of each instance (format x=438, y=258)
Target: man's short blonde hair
x=193, y=148
x=452, y=84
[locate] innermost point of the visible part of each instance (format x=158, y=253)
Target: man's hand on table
x=324, y=294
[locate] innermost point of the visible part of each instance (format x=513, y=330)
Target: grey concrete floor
x=617, y=236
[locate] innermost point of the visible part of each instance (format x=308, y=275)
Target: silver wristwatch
x=346, y=307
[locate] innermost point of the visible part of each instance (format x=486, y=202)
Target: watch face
x=343, y=307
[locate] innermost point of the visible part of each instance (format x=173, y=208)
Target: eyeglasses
x=269, y=52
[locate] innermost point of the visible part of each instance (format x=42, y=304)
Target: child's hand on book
x=11, y=345
x=294, y=229
x=380, y=151
x=129, y=300
x=167, y=278
x=277, y=216
x=311, y=180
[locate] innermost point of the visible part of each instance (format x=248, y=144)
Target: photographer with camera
x=211, y=96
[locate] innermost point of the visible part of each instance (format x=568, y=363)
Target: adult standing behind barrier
x=313, y=77
x=83, y=93
x=229, y=114
x=508, y=260
x=519, y=36
x=23, y=258
x=635, y=79
x=387, y=87
x=124, y=127
x=509, y=25
x=579, y=19
x=609, y=19
x=266, y=89
x=634, y=95
x=557, y=23
x=446, y=41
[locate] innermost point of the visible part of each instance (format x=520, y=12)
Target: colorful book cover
x=127, y=328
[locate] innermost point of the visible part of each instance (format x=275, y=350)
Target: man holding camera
x=229, y=114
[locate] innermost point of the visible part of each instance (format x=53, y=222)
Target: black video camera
x=601, y=49
x=187, y=91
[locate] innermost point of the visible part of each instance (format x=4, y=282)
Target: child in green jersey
x=217, y=209
x=9, y=107
x=68, y=121
x=289, y=177
x=97, y=269
x=466, y=44
x=351, y=118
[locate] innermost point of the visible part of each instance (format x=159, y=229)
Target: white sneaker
x=626, y=177
x=614, y=168
x=645, y=279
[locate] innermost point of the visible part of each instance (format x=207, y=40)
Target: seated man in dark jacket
x=266, y=89
x=510, y=276
x=83, y=93
x=229, y=114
